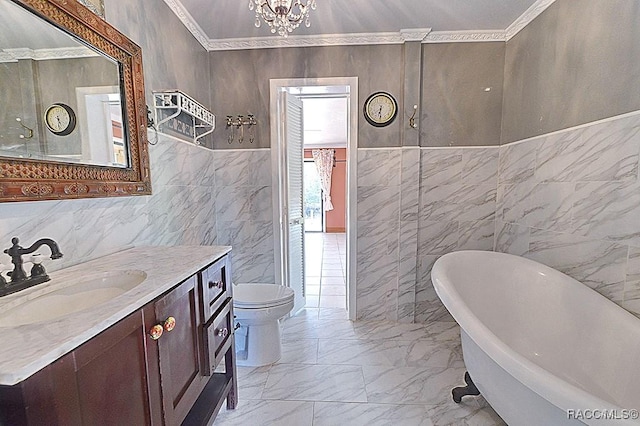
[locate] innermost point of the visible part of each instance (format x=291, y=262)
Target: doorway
x=287, y=260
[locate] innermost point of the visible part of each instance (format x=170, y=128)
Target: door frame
x=275, y=86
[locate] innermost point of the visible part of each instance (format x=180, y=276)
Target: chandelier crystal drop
x=282, y=16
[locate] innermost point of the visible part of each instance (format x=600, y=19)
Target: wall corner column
x=410, y=173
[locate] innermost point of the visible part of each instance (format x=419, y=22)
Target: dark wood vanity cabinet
x=179, y=351
x=124, y=377
x=106, y=381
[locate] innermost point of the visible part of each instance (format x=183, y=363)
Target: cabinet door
x=179, y=353
x=120, y=390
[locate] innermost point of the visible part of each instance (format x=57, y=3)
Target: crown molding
x=14, y=55
x=415, y=34
x=306, y=41
x=424, y=35
x=529, y=15
x=465, y=36
x=187, y=20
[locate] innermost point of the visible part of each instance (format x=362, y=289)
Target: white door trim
x=276, y=85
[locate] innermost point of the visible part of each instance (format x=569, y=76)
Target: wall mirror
x=72, y=107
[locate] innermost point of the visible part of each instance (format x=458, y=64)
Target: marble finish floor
x=337, y=372
x=325, y=266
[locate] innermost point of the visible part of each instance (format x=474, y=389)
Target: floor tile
x=333, y=313
x=468, y=413
x=306, y=314
x=299, y=351
x=333, y=301
x=332, y=272
x=418, y=353
x=321, y=329
x=357, y=414
x=332, y=281
x=334, y=290
x=343, y=383
x=260, y=412
x=312, y=301
x=333, y=257
x=387, y=330
x=410, y=385
x=252, y=380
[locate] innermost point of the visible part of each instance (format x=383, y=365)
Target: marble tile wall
x=415, y=205
x=244, y=211
x=571, y=200
x=182, y=207
x=456, y=212
x=206, y=197
x=200, y=197
x=408, y=238
x=84, y=229
x=378, y=226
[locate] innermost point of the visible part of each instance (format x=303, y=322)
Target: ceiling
x=218, y=20
x=325, y=122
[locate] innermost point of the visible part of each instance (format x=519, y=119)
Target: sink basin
x=85, y=293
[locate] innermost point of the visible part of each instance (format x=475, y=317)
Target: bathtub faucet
x=19, y=278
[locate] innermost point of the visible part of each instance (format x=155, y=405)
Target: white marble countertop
x=26, y=349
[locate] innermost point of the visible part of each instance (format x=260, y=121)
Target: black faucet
x=19, y=279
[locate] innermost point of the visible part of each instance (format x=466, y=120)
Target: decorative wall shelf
x=170, y=105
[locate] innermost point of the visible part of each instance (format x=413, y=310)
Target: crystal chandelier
x=282, y=16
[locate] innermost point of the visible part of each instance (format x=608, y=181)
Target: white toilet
x=258, y=309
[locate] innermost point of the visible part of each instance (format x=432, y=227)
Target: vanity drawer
x=214, y=284
x=218, y=336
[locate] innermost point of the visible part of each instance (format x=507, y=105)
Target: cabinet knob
x=156, y=331
x=218, y=284
x=223, y=332
x=169, y=324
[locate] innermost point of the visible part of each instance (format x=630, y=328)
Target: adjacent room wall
x=336, y=219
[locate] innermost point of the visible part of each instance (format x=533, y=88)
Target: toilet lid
x=261, y=295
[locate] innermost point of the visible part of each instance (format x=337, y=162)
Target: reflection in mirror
x=59, y=99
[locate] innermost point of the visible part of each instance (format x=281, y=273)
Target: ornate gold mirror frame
x=30, y=180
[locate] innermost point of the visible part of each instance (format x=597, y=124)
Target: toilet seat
x=260, y=296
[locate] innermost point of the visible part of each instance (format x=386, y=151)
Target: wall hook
x=237, y=125
x=412, y=119
x=29, y=134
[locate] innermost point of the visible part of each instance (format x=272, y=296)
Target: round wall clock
x=60, y=119
x=380, y=109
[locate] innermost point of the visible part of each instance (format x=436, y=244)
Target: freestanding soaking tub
x=541, y=347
